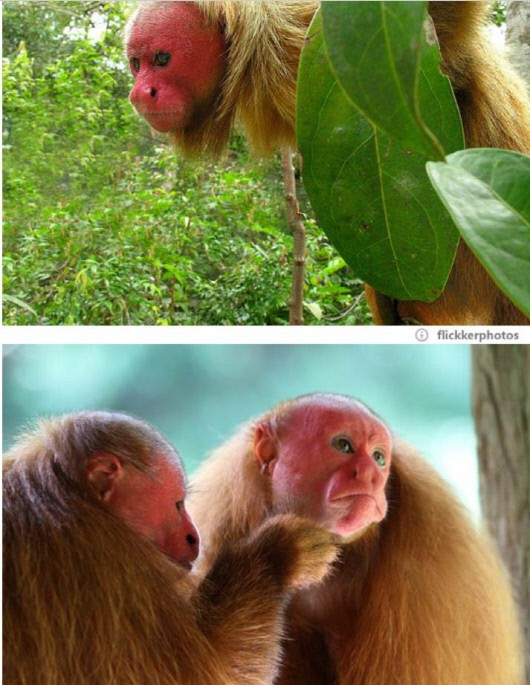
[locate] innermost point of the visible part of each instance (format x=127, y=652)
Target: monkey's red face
x=332, y=464
x=154, y=506
x=178, y=64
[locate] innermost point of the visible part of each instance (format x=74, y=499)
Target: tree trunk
x=501, y=407
x=518, y=37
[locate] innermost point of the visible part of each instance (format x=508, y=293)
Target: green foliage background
x=103, y=224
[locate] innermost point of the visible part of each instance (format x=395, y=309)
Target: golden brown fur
x=264, y=44
x=420, y=599
x=88, y=601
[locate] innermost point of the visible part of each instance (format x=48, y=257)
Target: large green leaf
x=487, y=192
x=370, y=191
x=379, y=55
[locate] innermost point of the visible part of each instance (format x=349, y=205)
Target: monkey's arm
x=242, y=599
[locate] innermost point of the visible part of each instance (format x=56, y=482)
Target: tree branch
x=296, y=304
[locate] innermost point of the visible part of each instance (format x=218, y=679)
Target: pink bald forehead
x=161, y=21
x=308, y=413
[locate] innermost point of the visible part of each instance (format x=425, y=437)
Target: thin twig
x=296, y=225
x=348, y=310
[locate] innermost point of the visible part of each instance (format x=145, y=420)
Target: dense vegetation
x=104, y=224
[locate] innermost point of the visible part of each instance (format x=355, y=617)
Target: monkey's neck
x=344, y=587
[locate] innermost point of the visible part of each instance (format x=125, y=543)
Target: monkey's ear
x=103, y=471
x=265, y=447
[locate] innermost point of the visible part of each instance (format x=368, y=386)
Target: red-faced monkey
x=97, y=549
x=199, y=66
x=417, y=596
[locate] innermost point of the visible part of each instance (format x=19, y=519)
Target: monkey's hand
x=301, y=551
x=283, y=554
x=240, y=603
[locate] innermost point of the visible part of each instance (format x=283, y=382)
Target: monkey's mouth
x=161, y=121
x=164, y=122
x=349, y=497
x=354, y=504
x=187, y=565
x=358, y=506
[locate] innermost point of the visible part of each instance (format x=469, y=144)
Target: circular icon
x=422, y=335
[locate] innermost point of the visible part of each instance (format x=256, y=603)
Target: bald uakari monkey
x=98, y=547
x=418, y=594
x=200, y=66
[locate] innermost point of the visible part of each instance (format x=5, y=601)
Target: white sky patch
x=95, y=33
x=497, y=34
x=452, y=451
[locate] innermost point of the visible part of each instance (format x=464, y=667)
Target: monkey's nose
x=143, y=95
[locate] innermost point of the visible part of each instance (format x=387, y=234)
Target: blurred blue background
x=197, y=395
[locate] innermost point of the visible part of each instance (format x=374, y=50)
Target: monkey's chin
x=164, y=122
x=355, y=514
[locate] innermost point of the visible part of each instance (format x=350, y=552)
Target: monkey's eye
x=135, y=64
x=179, y=504
x=379, y=458
x=162, y=59
x=342, y=444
